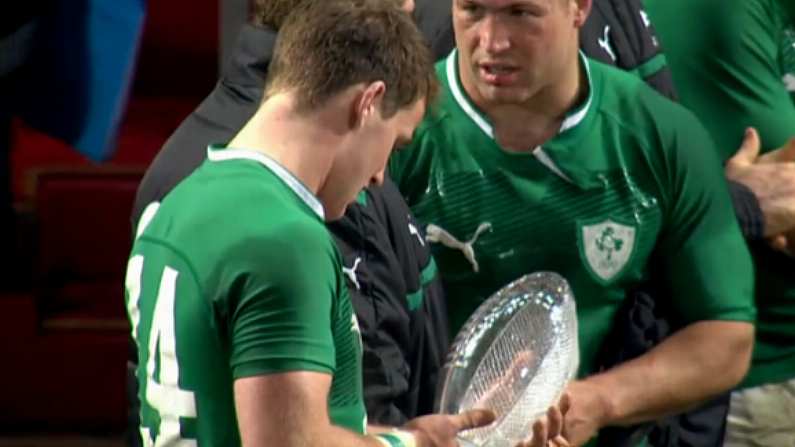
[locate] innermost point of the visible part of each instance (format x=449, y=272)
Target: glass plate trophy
x=514, y=356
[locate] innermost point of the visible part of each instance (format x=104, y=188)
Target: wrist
x=397, y=438
x=603, y=401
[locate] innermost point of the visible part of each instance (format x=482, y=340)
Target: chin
x=503, y=95
x=336, y=213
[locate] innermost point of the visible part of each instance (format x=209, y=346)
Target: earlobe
x=583, y=9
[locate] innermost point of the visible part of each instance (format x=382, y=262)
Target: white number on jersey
x=163, y=392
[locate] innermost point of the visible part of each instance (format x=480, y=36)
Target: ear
x=367, y=102
x=582, y=8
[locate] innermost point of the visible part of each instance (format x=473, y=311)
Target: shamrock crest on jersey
x=606, y=248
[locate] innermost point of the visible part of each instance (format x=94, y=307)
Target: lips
x=497, y=73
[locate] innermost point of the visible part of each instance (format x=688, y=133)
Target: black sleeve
x=377, y=290
x=619, y=33
x=216, y=120
x=434, y=18
x=430, y=334
x=399, y=302
x=749, y=213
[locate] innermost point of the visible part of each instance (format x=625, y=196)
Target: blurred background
x=63, y=327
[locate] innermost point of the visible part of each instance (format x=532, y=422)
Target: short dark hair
x=327, y=46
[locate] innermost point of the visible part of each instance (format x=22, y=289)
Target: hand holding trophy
x=514, y=356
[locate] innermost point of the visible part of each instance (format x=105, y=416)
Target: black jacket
x=397, y=295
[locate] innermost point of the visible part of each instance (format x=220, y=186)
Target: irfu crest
x=606, y=248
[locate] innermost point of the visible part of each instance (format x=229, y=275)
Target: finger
x=473, y=419
x=560, y=441
x=785, y=153
x=555, y=419
x=748, y=151
x=539, y=433
x=564, y=403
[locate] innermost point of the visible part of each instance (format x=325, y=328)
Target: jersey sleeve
x=281, y=301
x=725, y=57
x=705, y=258
x=753, y=85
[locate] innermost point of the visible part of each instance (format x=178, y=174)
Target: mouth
x=497, y=73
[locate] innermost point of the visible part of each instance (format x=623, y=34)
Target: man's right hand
x=441, y=430
x=771, y=177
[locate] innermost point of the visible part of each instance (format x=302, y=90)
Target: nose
x=408, y=6
x=378, y=178
x=493, y=34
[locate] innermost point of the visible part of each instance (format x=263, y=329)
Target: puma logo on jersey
x=439, y=235
x=789, y=82
x=604, y=42
x=351, y=273
x=415, y=232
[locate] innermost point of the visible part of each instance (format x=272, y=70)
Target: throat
x=523, y=136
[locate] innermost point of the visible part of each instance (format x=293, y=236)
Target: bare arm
x=697, y=362
x=290, y=409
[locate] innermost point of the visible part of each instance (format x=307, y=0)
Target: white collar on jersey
x=572, y=119
x=219, y=153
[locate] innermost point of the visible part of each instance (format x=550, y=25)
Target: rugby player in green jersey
x=733, y=62
x=235, y=289
x=537, y=158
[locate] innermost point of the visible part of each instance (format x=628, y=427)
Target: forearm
x=695, y=363
x=329, y=435
x=333, y=436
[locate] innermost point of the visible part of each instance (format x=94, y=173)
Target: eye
x=472, y=8
x=525, y=12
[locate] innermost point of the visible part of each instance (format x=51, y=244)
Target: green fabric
x=426, y=276
x=623, y=189
x=731, y=61
x=651, y=66
x=259, y=290
x=726, y=60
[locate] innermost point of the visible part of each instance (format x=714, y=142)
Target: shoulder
x=627, y=100
x=666, y=131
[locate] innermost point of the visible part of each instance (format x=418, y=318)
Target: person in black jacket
x=392, y=278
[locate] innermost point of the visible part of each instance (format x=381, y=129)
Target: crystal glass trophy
x=513, y=356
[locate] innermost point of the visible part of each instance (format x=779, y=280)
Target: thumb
x=473, y=419
x=785, y=153
x=748, y=151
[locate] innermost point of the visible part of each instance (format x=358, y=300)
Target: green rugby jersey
x=626, y=183
x=235, y=275
x=733, y=62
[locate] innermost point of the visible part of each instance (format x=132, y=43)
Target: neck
x=304, y=144
x=521, y=127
